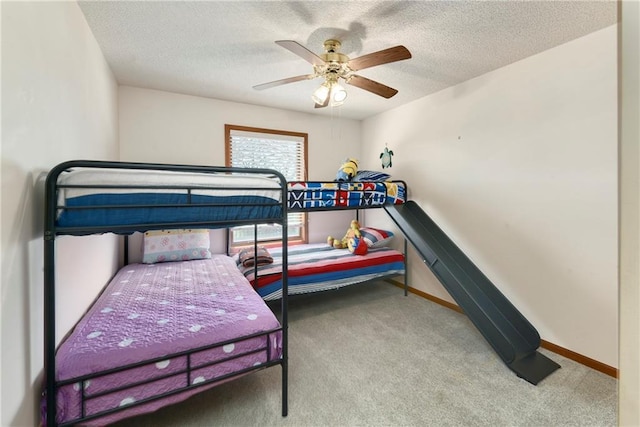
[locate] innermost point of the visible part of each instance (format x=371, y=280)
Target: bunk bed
x=317, y=266
x=124, y=358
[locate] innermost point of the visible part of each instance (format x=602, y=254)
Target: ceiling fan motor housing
x=335, y=63
x=332, y=45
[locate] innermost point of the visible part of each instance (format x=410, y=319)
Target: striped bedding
x=318, y=266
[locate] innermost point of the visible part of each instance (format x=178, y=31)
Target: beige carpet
x=367, y=355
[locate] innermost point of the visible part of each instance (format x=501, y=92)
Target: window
x=283, y=151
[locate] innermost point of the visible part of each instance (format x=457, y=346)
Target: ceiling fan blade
x=301, y=51
x=284, y=81
x=386, y=56
x=371, y=86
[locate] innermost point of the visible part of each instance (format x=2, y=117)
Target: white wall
x=519, y=168
x=58, y=103
x=165, y=127
x=629, y=385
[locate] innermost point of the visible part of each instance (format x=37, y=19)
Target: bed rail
x=186, y=373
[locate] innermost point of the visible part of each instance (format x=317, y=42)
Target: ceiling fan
x=333, y=66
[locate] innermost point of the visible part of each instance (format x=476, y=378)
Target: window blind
x=284, y=152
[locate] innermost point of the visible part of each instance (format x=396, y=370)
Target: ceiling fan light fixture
x=338, y=95
x=322, y=93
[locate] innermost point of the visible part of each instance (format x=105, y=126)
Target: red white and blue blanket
x=317, y=267
x=323, y=195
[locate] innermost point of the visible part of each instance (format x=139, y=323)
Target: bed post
x=49, y=298
x=406, y=269
x=125, y=254
x=285, y=297
x=49, y=329
x=256, y=279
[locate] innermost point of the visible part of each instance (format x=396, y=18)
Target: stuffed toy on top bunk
x=347, y=170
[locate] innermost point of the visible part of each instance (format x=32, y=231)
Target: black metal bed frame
x=52, y=230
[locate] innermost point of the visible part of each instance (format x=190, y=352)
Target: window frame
x=303, y=236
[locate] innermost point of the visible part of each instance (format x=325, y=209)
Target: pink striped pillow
x=376, y=238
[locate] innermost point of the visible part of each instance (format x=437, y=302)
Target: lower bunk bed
x=318, y=267
x=160, y=333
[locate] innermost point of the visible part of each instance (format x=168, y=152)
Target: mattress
x=318, y=267
x=311, y=195
x=120, y=197
x=149, y=311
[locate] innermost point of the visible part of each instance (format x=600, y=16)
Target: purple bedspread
x=149, y=311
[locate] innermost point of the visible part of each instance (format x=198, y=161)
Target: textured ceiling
x=220, y=49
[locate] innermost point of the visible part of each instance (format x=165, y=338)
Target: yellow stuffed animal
x=347, y=170
x=351, y=240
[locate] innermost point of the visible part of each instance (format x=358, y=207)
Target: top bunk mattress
x=89, y=197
